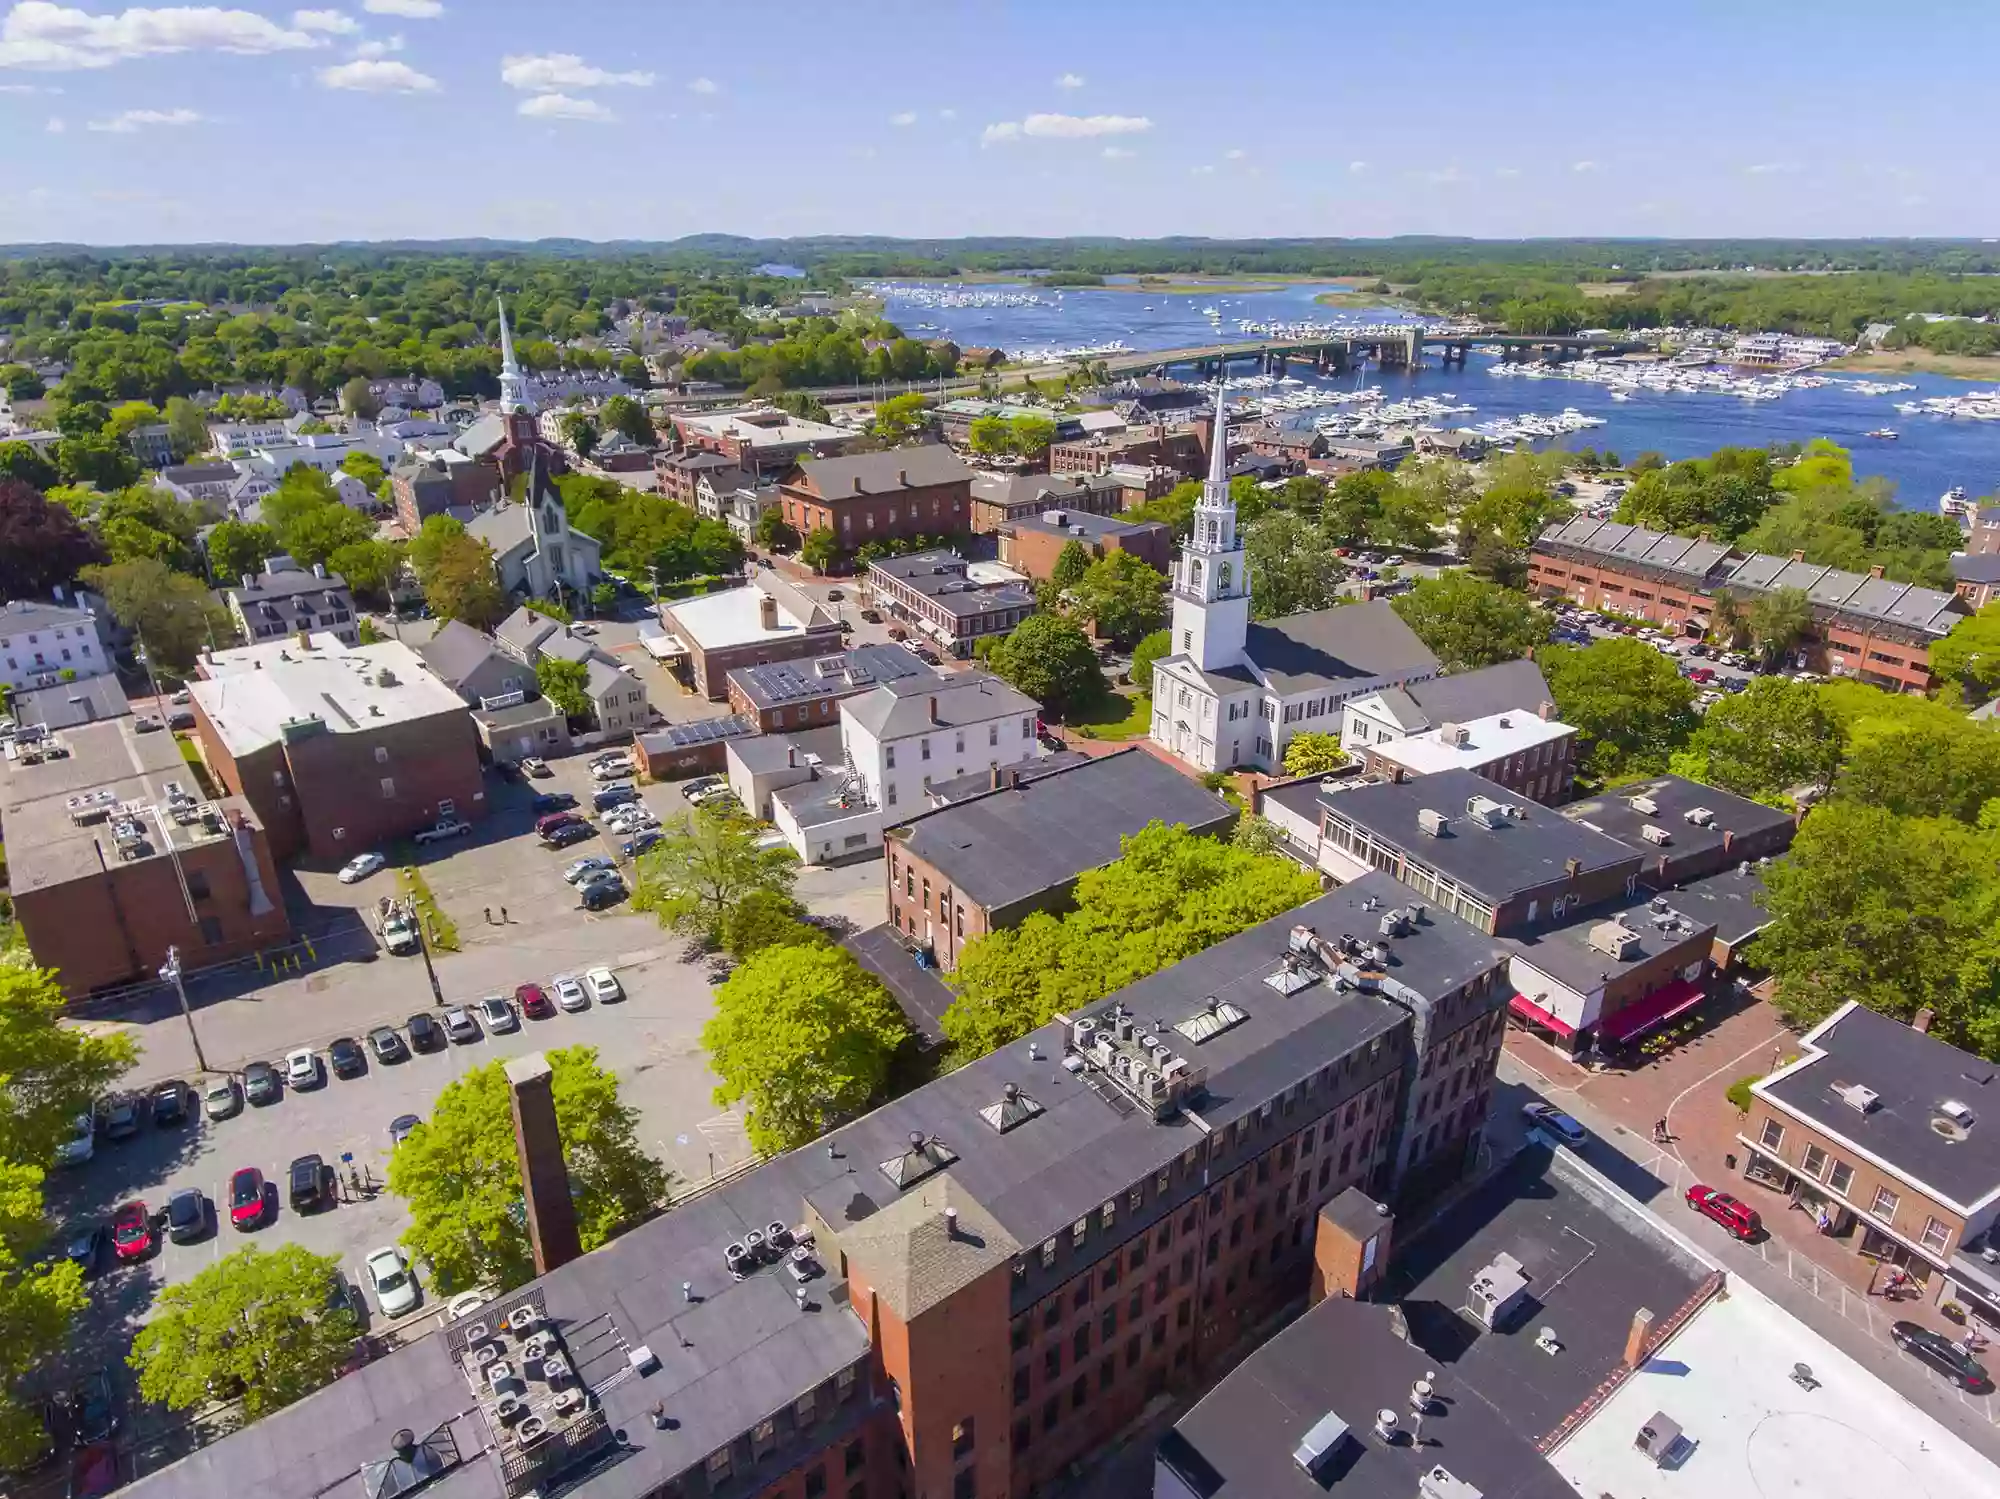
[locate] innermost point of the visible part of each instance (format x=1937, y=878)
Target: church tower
x=1212, y=577
x=516, y=409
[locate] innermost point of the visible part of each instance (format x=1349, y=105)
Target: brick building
x=440, y=483
x=924, y=491
x=113, y=856
x=933, y=592
x=999, y=498
x=338, y=751
x=1975, y=577
x=807, y=694
x=763, y=440
x=678, y=476
x=1182, y=449
x=1001, y=1269
x=1032, y=543
x=1532, y=754
x=1863, y=625
x=990, y=861
x=768, y=619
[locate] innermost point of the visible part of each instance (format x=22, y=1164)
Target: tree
x=766, y=918
x=902, y=418
x=255, y=1325
x=313, y=536
x=1145, y=654
x=367, y=468
x=1352, y=513
x=774, y=533
x=128, y=417
x=96, y=459
x=236, y=548
x=802, y=1036
x=566, y=684
x=1174, y=509
x=1031, y=436
x=820, y=550
x=460, y=1171
x=21, y=383
x=1778, y=621
x=1726, y=624
x=42, y=546
x=187, y=426
x=1313, y=755
x=1469, y=623
x=1932, y=766
x=1630, y=706
x=358, y=399
x=990, y=437
x=1123, y=596
x=1969, y=656
x=692, y=880
x=1293, y=567
x=1050, y=659
x=173, y=614
x=579, y=432
x=455, y=571
x=1516, y=500
x=370, y=567
x=22, y=463
x=1766, y=741
x=627, y=417
x=1070, y=565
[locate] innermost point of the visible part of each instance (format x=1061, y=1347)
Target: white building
x=1396, y=712
x=234, y=439
x=1235, y=692
x=325, y=451
x=39, y=642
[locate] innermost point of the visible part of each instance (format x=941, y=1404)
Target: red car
x=246, y=1198
x=533, y=1002
x=1738, y=1217
x=132, y=1232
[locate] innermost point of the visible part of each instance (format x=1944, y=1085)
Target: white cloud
x=38, y=34
x=1064, y=127
x=1201, y=171
x=331, y=22
x=372, y=76
x=1771, y=168
x=1236, y=155
x=560, y=70
x=132, y=121
x=1070, y=80
x=705, y=86
x=1118, y=153
x=379, y=48
x=1357, y=167
x=907, y=117
x=1583, y=166
x=55, y=125
x=416, y=10
x=565, y=107
x=947, y=114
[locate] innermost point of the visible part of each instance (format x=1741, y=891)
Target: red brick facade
x=858, y=518
x=1034, y=549
x=1180, y=448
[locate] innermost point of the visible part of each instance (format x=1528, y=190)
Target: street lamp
x=171, y=972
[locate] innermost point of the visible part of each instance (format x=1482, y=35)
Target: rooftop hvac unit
x=1433, y=823
x=1645, y=806
x=1497, y=1291
x=1615, y=940
x=1441, y=1483
x=1956, y=1112
x=1485, y=811
x=1081, y=1033
x=1392, y=924
x=1317, y=1449
x=1656, y=835
x=1857, y=1096
x=1701, y=817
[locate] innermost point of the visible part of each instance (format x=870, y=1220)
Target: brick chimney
x=1798, y=556
x=1546, y=712
x=1638, y=1338
x=903, y=477
x=934, y=712
x=552, y=1229
x=1875, y=571
x=1921, y=1021
x=767, y=612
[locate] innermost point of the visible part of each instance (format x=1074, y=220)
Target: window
x=888, y=757
x=1936, y=1235
x=1841, y=1177
x=388, y=788
x=764, y=1436
x=1051, y=1413
x=1772, y=1135
x=815, y=1482
x=197, y=882
x=211, y=930
x=961, y=1438
x=1020, y=1386
x=965, y=1484
x=802, y=1410
x=381, y=754
x=1079, y=1393
x=718, y=1467
x=1052, y=1362
x=993, y=733
x=1813, y=1162
x=854, y=1458
x=924, y=746
x=1885, y=1204
x=1080, y=1341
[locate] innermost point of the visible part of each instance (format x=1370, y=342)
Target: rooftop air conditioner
x=1956, y=1112
x=1701, y=817
x=1656, y=835
x=1645, y=806
x=1857, y=1096
x=1433, y=823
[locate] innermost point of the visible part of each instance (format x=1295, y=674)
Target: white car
x=585, y=865
x=603, y=986
x=568, y=992
x=498, y=1014
x=360, y=867
x=611, y=770
x=82, y=1143
x=302, y=1068
x=630, y=818
x=395, y=1287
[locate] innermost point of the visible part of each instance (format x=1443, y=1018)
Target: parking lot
x=1715, y=674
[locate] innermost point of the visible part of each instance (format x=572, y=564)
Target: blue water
x=1931, y=455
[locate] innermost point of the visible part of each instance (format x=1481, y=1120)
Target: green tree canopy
x=1050, y=659
x=1778, y=620
x=1630, y=706
x=766, y=918
x=1146, y=653
x=1293, y=566
x=460, y=1171
x=693, y=879
x=370, y=567
x=1766, y=741
x=1310, y=754
x=1725, y=493
x=1927, y=765
x=1969, y=657
x=624, y=415
x=238, y=547
x=1123, y=596
x=455, y=571
x=899, y=419
x=22, y=463
x=172, y=612
x=820, y=550
x=1469, y=623
x=255, y=1323
x=1071, y=564
x=187, y=426
x=358, y=399
x=566, y=684
x=802, y=1036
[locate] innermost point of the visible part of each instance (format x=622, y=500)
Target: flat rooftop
x=1729, y=900
x=736, y=617
x=778, y=683
x=763, y=427
x=943, y=578
x=364, y=687
x=1024, y=840
x=1080, y=525
x=271, y=653
x=1732, y=818
x=68, y=704
x=1486, y=740
x=1662, y=922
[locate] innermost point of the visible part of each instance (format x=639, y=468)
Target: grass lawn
x=442, y=929
x=1121, y=715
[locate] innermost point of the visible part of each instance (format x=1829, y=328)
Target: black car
x=608, y=892
x=170, y=1103
x=425, y=1033
x=85, y=1246
x=260, y=1083
x=401, y=1126
x=347, y=1057
x=568, y=833
x=187, y=1215
x=551, y=801
x=386, y=1044
x=615, y=795
x=92, y=1404
x=1943, y=1355
x=309, y=1184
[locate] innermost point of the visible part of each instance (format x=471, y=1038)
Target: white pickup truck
x=447, y=827
x=399, y=934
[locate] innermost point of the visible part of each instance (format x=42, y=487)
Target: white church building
x=1235, y=690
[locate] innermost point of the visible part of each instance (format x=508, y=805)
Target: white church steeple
x=1212, y=577
x=513, y=385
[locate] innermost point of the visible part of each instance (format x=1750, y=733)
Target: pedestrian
x=1660, y=1136
x=503, y=916
x=488, y=910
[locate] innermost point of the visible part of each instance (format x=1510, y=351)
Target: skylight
x=1217, y=1016
x=926, y=1155
x=1014, y=1107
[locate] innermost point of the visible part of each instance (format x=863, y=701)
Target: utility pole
x=171, y=972
x=424, y=947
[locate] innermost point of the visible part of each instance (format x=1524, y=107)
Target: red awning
x=1661, y=1005
x=1527, y=1009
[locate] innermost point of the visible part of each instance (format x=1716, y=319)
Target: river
x=1930, y=455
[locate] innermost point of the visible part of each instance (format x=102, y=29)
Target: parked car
x=309, y=1188
x=246, y=1198
x=443, y=828
x=260, y=1083
x=187, y=1215
x=221, y=1098
x=1739, y=1218
x=610, y=767
x=92, y=1403
x=132, y=1232
x=639, y=842
x=347, y=1057
x=395, y=1287
x=1702, y=674
x=119, y=1116
x=551, y=801
x=460, y=1026
x=387, y=1044
x=360, y=867
x=81, y=1144
x=169, y=1101
x=498, y=1015
x=536, y=766
x=585, y=866
x=872, y=616
x=604, y=893
x=1942, y=1354
x=701, y=783
x=602, y=985
x=568, y=833
x=1554, y=1121
x=85, y=1245
x=400, y=935
x=568, y=992
x=926, y=655
x=401, y=1127
x=607, y=797
x=302, y=1068
x=534, y=1002
x=548, y=824
x=425, y=1033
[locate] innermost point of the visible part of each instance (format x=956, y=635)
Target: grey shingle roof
x=1328, y=647
x=1983, y=567
x=1463, y=696
x=903, y=707
x=286, y=585
x=23, y=616
x=524, y=631
x=457, y=650
x=1013, y=844
x=884, y=473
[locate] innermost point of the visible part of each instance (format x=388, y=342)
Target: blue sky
x=243, y=121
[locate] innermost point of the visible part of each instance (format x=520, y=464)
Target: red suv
x=547, y=825
x=246, y=1198
x=1738, y=1217
x=534, y=1003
